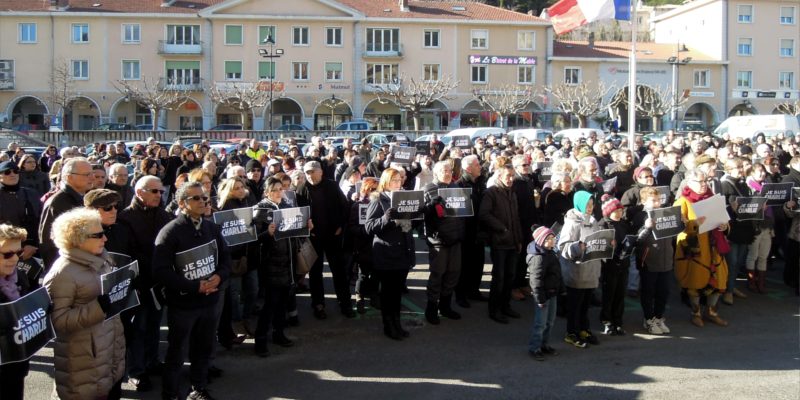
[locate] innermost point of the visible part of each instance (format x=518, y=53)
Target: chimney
x=591, y=40
x=59, y=5
x=403, y=5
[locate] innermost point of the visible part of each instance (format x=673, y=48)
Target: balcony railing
x=376, y=87
x=192, y=85
x=165, y=47
x=394, y=50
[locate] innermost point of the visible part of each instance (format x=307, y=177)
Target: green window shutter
x=266, y=69
x=233, y=67
x=183, y=64
x=334, y=66
x=263, y=32
x=233, y=34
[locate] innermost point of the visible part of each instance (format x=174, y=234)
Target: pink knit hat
x=540, y=235
x=610, y=204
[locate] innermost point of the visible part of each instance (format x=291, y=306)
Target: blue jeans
x=244, y=290
x=735, y=258
x=543, y=320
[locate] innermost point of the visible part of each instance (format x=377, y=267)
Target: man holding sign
x=191, y=286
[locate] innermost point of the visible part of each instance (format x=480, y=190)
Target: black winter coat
x=15, y=372
x=20, y=207
x=555, y=205
x=741, y=232
x=276, y=255
x=392, y=249
x=500, y=216
x=357, y=239
x=440, y=231
x=545, y=273
x=61, y=202
x=143, y=224
x=472, y=225
x=524, y=186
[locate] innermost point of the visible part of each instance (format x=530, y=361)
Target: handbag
x=305, y=257
x=719, y=241
x=239, y=267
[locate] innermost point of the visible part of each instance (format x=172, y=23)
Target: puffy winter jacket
x=577, y=274
x=545, y=273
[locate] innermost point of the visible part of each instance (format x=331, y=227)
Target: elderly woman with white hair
x=89, y=351
x=13, y=285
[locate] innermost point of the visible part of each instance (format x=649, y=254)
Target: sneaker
x=587, y=337
x=619, y=331
x=200, y=394
x=609, y=329
x=575, y=341
x=662, y=325
x=652, y=326
x=549, y=350
x=537, y=355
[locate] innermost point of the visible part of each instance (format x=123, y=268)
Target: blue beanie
x=580, y=200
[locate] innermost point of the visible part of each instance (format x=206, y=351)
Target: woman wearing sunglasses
x=89, y=351
x=108, y=203
x=13, y=285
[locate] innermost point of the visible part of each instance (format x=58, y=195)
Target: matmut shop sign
x=502, y=60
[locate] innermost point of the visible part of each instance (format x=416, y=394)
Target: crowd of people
x=534, y=204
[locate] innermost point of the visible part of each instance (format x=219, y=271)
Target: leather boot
x=446, y=309
x=752, y=281
x=432, y=312
x=761, y=277
x=389, y=329
x=715, y=318
x=396, y=321
x=697, y=317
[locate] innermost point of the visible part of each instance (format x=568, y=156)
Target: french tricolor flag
x=567, y=15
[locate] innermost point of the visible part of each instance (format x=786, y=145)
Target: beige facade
x=330, y=48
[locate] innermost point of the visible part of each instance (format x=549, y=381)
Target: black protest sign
x=408, y=203
x=118, y=286
x=457, y=202
x=598, y=245
x=25, y=326
x=362, y=213
x=237, y=225
x=403, y=155
x=664, y=194
x=462, y=142
x=423, y=147
x=197, y=263
x=750, y=208
x=544, y=168
x=291, y=222
x=32, y=268
x=119, y=259
x=667, y=222
x=777, y=193
x=609, y=185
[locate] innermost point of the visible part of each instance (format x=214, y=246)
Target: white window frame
x=580, y=75
x=241, y=64
x=739, y=44
x=394, y=71
x=225, y=35
x=472, y=38
x=295, y=64
x=72, y=33
x=533, y=40
x=739, y=14
x=122, y=74
x=341, y=71
x=438, y=72
x=780, y=48
x=72, y=70
x=274, y=34
x=438, y=33
x=294, y=36
x=393, y=37
x=124, y=29
x=707, y=73
x=485, y=73
x=750, y=86
x=22, y=40
x=791, y=82
x=533, y=74
x=274, y=65
x=341, y=36
x=793, y=16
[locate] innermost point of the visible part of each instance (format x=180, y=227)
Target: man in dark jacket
x=329, y=212
x=500, y=216
x=144, y=217
x=741, y=233
x=255, y=183
x=623, y=171
x=19, y=206
x=76, y=180
x=444, y=236
x=472, y=253
x=118, y=182
x=587, y=180
x=525, y=186
x=191, y=286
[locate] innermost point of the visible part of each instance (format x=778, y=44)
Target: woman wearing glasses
x=47, y=159
x=108, y=202
x=699, y=267
x=31, y=177
x=13, y=285
x=89, y=350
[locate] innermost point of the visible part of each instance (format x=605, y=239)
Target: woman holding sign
x=699, y=266
x=392, y=250
x=89, y=351
x=13, y=285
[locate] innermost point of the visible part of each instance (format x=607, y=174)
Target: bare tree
x=147, y=93
x=582, y=100
x=62, y=87
x=504, y=100
x=414, y=95
x=790, y=107
x=241, y=96
x=653, y=102
x=332, y=103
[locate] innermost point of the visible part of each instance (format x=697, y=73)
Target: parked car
x=531, y=134
x=292, y=127
x=114, y=126
x=474, y=133
x=576, y=134
x=354, y=126
x=380, y=139
x=227, y=127
x=149, y=127
x=427, y=138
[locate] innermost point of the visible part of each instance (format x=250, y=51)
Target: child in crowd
x=654, y=260
x=545, y=280
x=614, y=272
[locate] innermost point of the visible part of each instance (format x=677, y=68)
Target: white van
x=576, y=134
x=359, y=125
x=474, y=133
x=530, y=134
x=748, y=126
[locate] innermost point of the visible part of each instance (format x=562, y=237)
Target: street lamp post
x=676, y=61
x=271, y=54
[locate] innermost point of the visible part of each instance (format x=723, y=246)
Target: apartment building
x=758, y=39
x=324, y=58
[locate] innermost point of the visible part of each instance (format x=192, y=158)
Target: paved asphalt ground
x=756, y=357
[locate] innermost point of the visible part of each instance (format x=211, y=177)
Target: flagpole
x=632, y=79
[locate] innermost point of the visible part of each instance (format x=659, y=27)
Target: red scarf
x=694, y=197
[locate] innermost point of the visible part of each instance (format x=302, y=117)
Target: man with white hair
x=118, y=182
x=76, y=180
x=236, y=172
x=472, y=255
